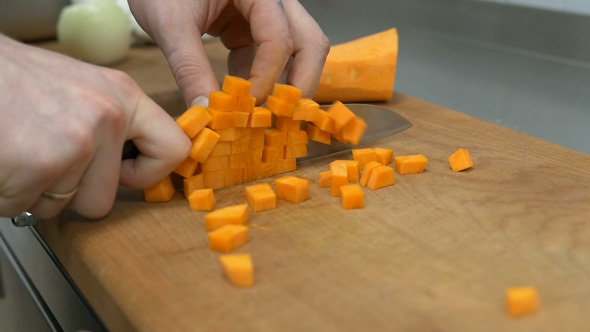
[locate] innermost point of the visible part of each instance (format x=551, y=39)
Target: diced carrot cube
x=286, y=165
x=274, y=137
x=325, y=179
x=324, y=122
x=238, y=269
x=287, y=124
x=193, y=183
x=228, y=237
x=305, y=109
x=273, y=154
x=259, y=171
x=242, y=134
x=352, y=197
x=367, y=171
x=226, y=135
x=193, y=120
x=338, y=177
x=261, y=197
x=162, y=191
x=220, y=119
x=261, y=117
x=280, y=107
x=254, y=157
x=522, y=300
x=202, y=200
x=236, y=86
x=297, y=137
x=215, y=179
x=381, y=176
x=287, y=92
x=203, y=144
x=340, y=114
x=221, y=149
x=216, y=163
x=354, y=131
x=363, y=156
x=292, y=188
x=238, y=160
x=234, y=214
x=352, y=169
x=187, y=168
x=316, y=134
x=410, y=164
x=460, y=160
x=256, y=140
x=240, y=146
x=295, y=150
x=384, y=156
x=246, y=104
x=240, y=119
x=222, y=101
x=234, y=176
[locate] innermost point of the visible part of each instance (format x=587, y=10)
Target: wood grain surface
x=434, y=252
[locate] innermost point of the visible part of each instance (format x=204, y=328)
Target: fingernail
x=201, y=101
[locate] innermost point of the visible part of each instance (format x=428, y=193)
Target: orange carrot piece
x=340, y=114
x=274, y=137
x=286, y=165
x=203, y=144
x=295, y=150
x=410, y=164
x=360, y=70
x=325, y=179
x=261, y=197
x=193, y=120
x=381, y=176
x=220, y=119
x=162, y=191
x=324, y=122
x=238, y=269
x=352, y=169
x=297, y=137
x=384, y=156
x=363, y=156
x=522, y=300
x=193, y=183
x=254, y=157
x=187, y=168
x=305, y=109
x=261, y=117
x=215, y=179
x=460, y=160
x=367, y=171
x=246, y=104
x=338, y=177
x=354, y=131
x=222, y=101
x=256, y=139
x=287, y=92
x=234, y=214
x=240, y=119
x=202, y=200
x=292, y=189
x=216, y=163
x=273, y=154
x=280, y=107
x=316, y=134
x=259, y=171
x=285, y=123
x=226, y=135
x=228, y=238
x=352, y=196
x=234, y=176
x=236, y=86
x=221, y=149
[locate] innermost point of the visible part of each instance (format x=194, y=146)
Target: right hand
x=63, y=124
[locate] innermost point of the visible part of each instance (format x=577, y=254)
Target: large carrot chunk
x=234, y=214
x=202, y=200
x=522, y=300
x=292, y=188
x=382, y=176
x=352, y=197
x=460, y=160
x=228, y=238
x=261, y=197
x=160, y=192
x=410, y=164
x=360, y=70
x=238, y=269
x=193, y=120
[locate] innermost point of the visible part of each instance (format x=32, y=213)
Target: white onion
x=95, y=31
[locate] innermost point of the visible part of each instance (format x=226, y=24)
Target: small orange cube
x=162, y=191
x=384, y=156
x=316, y=134
x=193, y=120
x=338, y=177
x=240, y=119
x=368, y=171
x=228, y=237
x=293, y=189
x=522, y=300
x=352, y=197
x=286, y=92
x=220, y=119
x=261, y=117
x=363, y=156
x=234, y=214
x=381, y=176
x=286, y=165
x=295, y=150
x=280, y=107
x=193, y=183
x=261, y=197
x=286, y=123
x=202, y=200
x=325, y=179
x=238, y=269
x=460, y=160
x=187, y=168
x=274, y=137
x=236, y=86
x=410, y=164
x=222, y=101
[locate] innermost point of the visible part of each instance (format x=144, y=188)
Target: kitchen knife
x=381, y=123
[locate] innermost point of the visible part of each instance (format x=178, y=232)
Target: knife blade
x=381, y=123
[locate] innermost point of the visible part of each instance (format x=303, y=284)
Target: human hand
x=63, y=126
x=265, y=38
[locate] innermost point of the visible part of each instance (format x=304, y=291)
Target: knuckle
x=324, y=45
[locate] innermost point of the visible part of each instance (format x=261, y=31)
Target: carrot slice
x=228, y=238
x=162, y=191
x=236, y=86
x=381, y=176
x=193, y=120
x=234, y=214
x=360, y=70
x=460, y=160
x=410, y=164
x=352, y=196
x=261, y=197
x=238, y=269
x=292, y=188
x=522, y=300
x=202, y=200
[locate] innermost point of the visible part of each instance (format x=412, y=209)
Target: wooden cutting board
x=434, y=252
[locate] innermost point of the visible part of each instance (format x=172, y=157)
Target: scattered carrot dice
x=193, y=183
x=316, y=134
x=384, y=156
x=410, y=164
x=286, y=92
x=368, y=170
x=261, y=197
x=228, y=237
x=363, y=156
x=381, y=176
x=522, y=300
x=162, y=191
x=238, y=269
x=292, y=188
x=338, y=177
x=187, y=168
x=325, y=179
x=202, y=200
x=352, y=197
x=234, y=214
x=460, y=160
